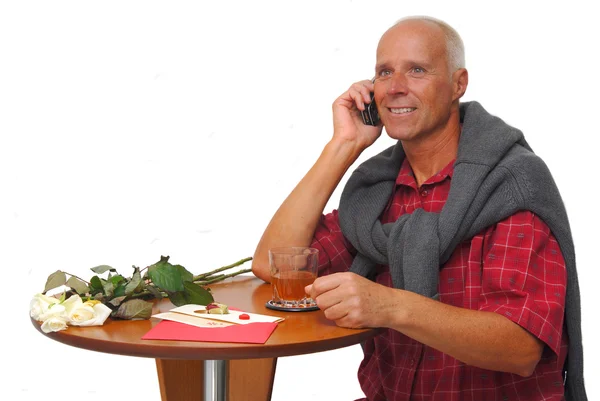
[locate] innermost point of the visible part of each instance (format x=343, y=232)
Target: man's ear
x=460, y=81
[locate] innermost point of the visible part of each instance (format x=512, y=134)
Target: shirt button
x=412, y=361
x=424, y=193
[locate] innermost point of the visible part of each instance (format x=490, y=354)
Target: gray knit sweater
x=495, y=175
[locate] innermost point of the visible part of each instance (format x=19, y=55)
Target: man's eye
x=384, y=73
x=418, y=70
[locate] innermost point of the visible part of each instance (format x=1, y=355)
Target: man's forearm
x=295, y=221
x=483, y=339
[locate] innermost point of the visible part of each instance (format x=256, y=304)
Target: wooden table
x=231, y=371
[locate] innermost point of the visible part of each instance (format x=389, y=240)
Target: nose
x=397, y=85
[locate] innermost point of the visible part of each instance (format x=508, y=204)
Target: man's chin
x=400, y=134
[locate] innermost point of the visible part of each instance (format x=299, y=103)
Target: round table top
x=299, y=333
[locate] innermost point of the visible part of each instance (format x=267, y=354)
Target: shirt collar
x=407, y=177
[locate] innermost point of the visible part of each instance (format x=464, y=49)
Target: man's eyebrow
x=422, y=63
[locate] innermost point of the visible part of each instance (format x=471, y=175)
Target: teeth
x=403, y=110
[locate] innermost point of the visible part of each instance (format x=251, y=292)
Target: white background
x=130, y=130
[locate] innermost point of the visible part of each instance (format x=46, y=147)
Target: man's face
x=413, y=85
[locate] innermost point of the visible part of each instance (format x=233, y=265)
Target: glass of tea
x=292, y=269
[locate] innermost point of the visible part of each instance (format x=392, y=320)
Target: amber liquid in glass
x=289, y=285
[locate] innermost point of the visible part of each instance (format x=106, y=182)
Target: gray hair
x=454, y=44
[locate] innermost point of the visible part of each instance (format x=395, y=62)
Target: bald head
x=419, y=81
x=453, y=44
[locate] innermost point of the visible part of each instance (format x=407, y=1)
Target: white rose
x=71, y=303
x=49, y=311
x=89, y=313
x=54, y=323
x=39, y=305
x=101, y=313
x=54, y=310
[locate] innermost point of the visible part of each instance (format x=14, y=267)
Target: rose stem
x=223, y=277
x=220, y=269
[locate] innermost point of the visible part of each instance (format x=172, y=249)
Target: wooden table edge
x=219, y=351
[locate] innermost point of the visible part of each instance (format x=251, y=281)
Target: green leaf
x=134, y=309
x=108, y=288
x=193, y=294
x=117, y=301
x=185, y=275
x=96, y=285
x=102, y=268
x=54, y=280
x=119, y=283
x=76, y=284
x=196, y=294
x=166, y=276
x=116, y=279
x=177, y=298
x=154, y=291
x=135, y=282
x=120, y=289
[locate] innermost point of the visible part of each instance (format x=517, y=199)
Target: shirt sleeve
x=524, y=277
x=335, y=251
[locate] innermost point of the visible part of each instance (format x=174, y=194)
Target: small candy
x=244, y=316
x=217, y=309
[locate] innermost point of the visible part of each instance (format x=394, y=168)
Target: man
x=459, y=229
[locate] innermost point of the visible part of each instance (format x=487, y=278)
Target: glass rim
x=293, y=250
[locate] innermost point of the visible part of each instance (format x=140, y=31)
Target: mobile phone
x=370, y=115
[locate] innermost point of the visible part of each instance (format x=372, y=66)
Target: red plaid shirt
x=514, y=268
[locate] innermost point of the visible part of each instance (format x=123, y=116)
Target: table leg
x=215, y=380
x=249, y=379
x=180, y=380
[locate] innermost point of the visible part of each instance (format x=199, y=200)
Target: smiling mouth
x=402, y=110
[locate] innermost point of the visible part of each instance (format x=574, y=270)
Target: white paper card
x=191, y=320
x=232, y=317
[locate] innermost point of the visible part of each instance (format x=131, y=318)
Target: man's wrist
x=398, y=309
x=343, y=150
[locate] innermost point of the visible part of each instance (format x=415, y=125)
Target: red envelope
x=253, y=333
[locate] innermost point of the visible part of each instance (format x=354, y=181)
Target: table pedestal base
x=247, y=379
x=215, y=380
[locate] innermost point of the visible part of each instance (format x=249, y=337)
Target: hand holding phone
x=370, y=115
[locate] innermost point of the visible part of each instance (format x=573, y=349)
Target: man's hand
x=347, y=122
x=484, y=339
x=351, y=300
